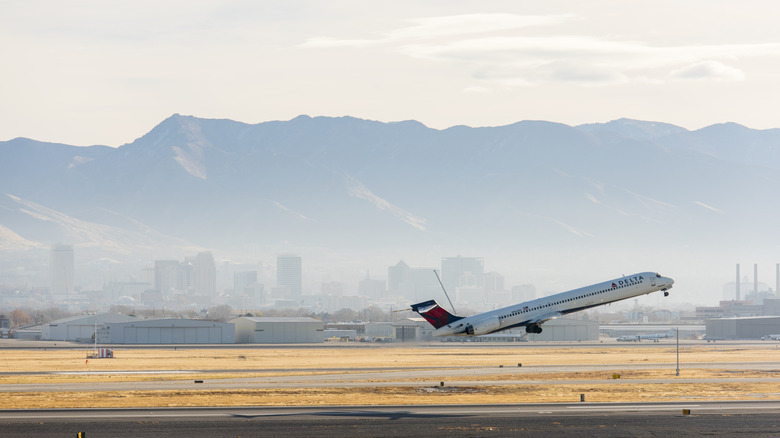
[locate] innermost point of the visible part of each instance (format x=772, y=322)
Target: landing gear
x=666, y=293
x=533, y=329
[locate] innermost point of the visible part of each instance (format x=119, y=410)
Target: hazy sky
x=96, y=72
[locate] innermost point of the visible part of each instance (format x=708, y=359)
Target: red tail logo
x=435, y=314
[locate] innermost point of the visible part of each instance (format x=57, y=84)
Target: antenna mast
x=445, y=291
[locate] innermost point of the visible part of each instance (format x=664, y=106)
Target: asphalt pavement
x=581, y=419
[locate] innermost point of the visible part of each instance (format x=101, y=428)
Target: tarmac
x=725, y=419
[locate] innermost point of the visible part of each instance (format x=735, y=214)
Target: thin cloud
x=431, y=28
x=485, y=43
x=457, y=25
x=358, y=190
x=708, y=207
x=283, y=207
x=708, y=70
x=476, y=89
x=571, y=229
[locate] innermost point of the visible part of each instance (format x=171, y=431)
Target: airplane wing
x=545, y=318
x=535, y=325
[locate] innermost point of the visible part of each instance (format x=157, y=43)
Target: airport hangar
x=123, y=329
x=749, y=327
x=282, y=330
x=80, y=328
x=166, y=331
x=115, y=328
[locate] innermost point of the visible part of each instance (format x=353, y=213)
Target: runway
x=580, y=419
x=406, y=393
x=384, y=377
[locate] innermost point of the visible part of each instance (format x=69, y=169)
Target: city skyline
x=402, y=284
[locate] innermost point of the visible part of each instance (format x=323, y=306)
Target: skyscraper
x=243, y=279
x=396, y=275
x=288, y=274
x=204, y=272
x=416, y=284
x=466, y=273
x=165, y=276
x=62, y=270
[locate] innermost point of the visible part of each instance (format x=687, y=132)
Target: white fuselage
x=537, y=311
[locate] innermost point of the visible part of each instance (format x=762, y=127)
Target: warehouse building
x=563, y=329
x=5, y=326
x=380, y=331
x=167, y=331
x=686, y=331
x=413, y=329
x=80, y=328
x=281, y=330
x=28, y=332
x=742, y=328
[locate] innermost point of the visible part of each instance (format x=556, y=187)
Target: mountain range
x=533, y=196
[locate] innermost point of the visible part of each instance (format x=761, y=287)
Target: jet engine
x=533, y=328
x=483, y=326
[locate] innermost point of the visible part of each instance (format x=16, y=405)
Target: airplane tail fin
x=434, y=313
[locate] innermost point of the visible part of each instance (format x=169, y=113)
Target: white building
x=81, y=327
x=167, y=331
x=266, y=330
x=564, y=329
x=413, y=329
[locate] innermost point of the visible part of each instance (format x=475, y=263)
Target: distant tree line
x=28, y=316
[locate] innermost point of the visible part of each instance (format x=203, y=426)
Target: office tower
x=288, y=274
x=204, y=272
x=466, y=273
x=243, y=280
x=525, y=292
x=396, y=275
x=166, y=276
x=62, y=270
x=373, y=289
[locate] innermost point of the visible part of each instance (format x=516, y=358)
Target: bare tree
x=375, y=314
x=19, y=318
x=220, y=313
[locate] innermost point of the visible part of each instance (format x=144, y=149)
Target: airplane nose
x=668, y=282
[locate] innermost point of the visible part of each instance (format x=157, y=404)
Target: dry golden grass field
x=383, y=375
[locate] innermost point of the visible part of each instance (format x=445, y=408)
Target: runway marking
x=626, y=407
x=93, y=416
x=87, y=373
x=715, y=406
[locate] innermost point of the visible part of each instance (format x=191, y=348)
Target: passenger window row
x=527, y=309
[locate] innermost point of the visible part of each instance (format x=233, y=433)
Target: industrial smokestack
x=755, y=279
x=737, y=296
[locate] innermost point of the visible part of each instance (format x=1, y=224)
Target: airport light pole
x=678, y=351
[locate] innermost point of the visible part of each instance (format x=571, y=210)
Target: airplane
x=654, y=337
x=770, y=338
x=532, y=314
